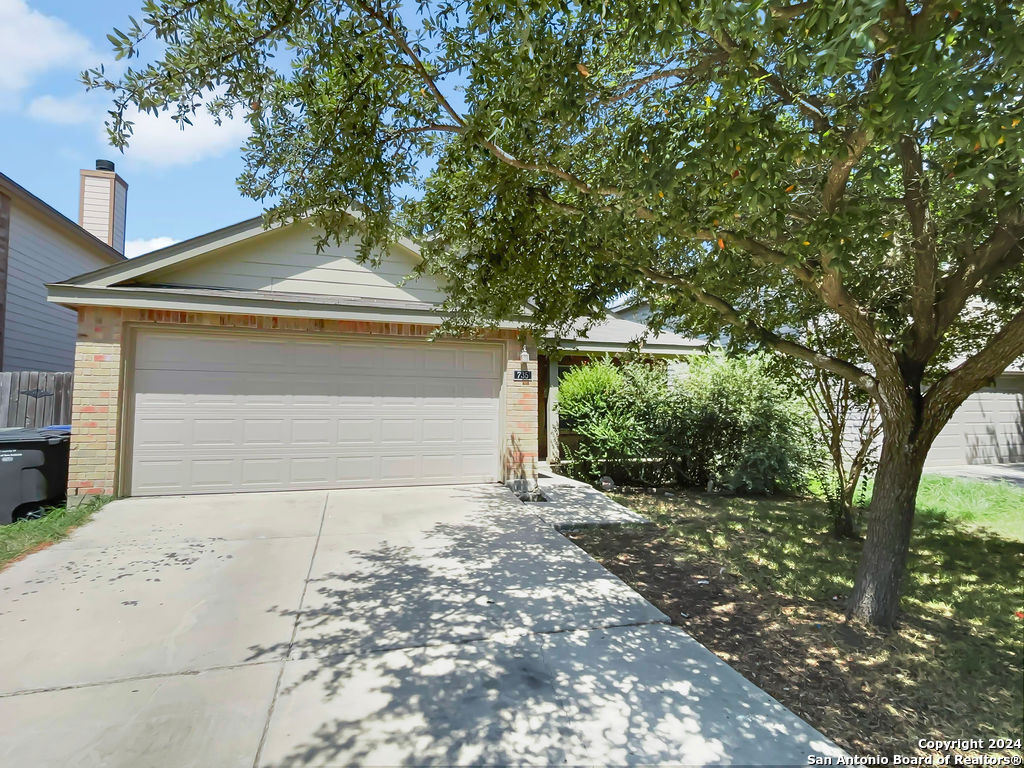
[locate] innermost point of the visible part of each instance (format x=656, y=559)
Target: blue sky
x=180, y=183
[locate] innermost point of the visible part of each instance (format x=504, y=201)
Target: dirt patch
x=751, y=581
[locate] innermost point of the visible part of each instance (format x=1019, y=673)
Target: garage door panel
x=479, y=431
x=441, y=360
x=315, y=470
x=403, y=467
x=311, y=432
x=323, y=414
x=441, y=466
x=479, y=363
x=440, y=430
x=478, y=393
x=358, y=431
x=158, y=475
x=353, y=471
x=476, y=465
x=988, y=427
x=213, y=432
x=399, y=431
x=265, y=432
x=211, y=474
x=163, y=433
x=262, y=471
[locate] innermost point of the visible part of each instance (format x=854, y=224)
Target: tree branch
x=490, y=146
x=429, y=128
x=682, y=73
x=731, y=315
x=949, y=392
x=1002, y=250
x=915, y=200
x=856, y=141
x=790, y=12
x=810, y=106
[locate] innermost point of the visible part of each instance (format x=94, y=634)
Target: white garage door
x=988, y=428
x=219, y=413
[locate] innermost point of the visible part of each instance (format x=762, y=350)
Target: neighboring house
x=987, y=429
x=38, y=245
x=244, y=360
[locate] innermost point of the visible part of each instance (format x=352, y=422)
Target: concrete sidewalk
x=996, y=473
x=423, y=626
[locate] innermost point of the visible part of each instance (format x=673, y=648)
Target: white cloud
x=133, y=248
x=158, y=141
x=33, y=43
x=66, y=110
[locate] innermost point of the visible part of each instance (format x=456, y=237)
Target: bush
x=610, y=438
x=589, y=389
x=747, y=432
x=728, y=421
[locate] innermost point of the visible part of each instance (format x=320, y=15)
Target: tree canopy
x=747, y=165
x=766, y=158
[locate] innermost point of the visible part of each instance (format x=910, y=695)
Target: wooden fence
x=34, y=398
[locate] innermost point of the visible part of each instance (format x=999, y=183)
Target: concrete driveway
x=391, y=627
x=996, y=473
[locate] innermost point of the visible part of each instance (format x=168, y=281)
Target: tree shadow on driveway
x=495, y=641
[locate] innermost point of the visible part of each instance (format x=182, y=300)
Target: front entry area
x=214, y=412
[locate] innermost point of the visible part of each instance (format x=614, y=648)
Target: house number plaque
x=522, y=375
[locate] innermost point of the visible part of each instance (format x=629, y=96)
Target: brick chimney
x=102, y=200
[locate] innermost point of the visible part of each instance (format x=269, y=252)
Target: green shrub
x=747, y=432
x=588, y=389
x=728, y=421
x=612, y=412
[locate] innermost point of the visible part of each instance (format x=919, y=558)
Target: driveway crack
x=291, y=640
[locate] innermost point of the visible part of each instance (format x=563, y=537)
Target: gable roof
x=190, y=249
x=17, y=192
x=616, y=334
x=119, y=285
x=125, y=285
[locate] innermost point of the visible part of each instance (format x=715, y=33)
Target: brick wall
x=99, y=386
x=521, y=443
x=96, y=403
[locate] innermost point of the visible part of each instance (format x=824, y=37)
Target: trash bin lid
x=57, y=428
x=26, y=435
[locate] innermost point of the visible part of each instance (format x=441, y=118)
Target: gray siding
x=286, y=260
x=987, y=429
x=39, y=336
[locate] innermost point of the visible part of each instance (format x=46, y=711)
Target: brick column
x=520, y=444
x=96, y=403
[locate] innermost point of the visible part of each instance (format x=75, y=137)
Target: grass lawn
x=762, y=584
x=26, y=536
x=996, y=507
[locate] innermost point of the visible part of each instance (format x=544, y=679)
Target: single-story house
x=987, y=429
x=39, y=245
x=245, y=360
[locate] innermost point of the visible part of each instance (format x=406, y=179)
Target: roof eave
x=172, y=254
x=663, y=350
x=75, y=296
x=195, y=247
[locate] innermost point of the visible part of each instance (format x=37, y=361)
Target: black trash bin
x=33, y=469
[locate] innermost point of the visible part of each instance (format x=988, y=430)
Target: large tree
x=747, y=165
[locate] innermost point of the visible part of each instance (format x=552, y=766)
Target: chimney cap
x=105, y=165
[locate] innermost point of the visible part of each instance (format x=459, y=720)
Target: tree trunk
x=876, y=589
x=843, y=526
